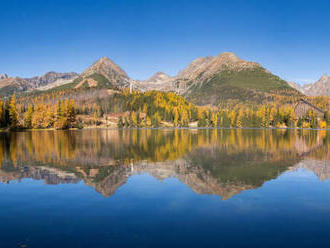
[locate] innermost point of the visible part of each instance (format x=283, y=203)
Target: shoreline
x=165, y=128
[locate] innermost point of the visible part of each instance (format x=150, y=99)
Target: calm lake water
x=165, y=188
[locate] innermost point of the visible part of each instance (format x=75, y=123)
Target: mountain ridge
x=10, y=85
x=319, y=88
x=206, y=80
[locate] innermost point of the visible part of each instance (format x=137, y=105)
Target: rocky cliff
x=319, y=88
x=105, y=73
x=9, y=85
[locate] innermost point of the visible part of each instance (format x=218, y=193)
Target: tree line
x=262, y=117
x=58, y=115
x=154, y=109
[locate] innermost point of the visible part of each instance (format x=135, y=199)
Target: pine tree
x=2, y=114
x=28, y=117
x=138, y=119
x=148, y=121
x=13, y=114
x=327, y=117
x=120, y=123
x=155, y=121
x=313, y=119
x=133, y=119
x=214, y=119
x=71, y=113
x=176, y=117
x=126, y=123
x=95, y=117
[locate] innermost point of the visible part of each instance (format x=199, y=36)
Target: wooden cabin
x=303, y=106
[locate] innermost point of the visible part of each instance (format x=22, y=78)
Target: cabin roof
x=311, y=105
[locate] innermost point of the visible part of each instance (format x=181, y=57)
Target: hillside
x=104, y=73
x=206, y=80
x=249, y=85
x=227, y=77
x=319, y=88
x=10, y=85
x=159, y=81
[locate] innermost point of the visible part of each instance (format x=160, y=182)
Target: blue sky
x=289, y=38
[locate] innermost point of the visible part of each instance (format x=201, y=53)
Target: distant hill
x=159, y=81
x=211, y=80
x=10, y=85
x=319, y=88
x=206, y=80
x=104, y=73
x=227, y=77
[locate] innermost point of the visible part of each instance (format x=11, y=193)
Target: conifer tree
x=28, y=117
x=120, y=123
x=13, y=114
x=327, y=117
x=2, y=114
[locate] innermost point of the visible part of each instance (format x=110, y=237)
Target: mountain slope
x=319, y=88
x=227, y=77
x=103, y=73
x=10, y=85
x=3, y=76
x=159, y=81
x=206, y=80
x=51, y=79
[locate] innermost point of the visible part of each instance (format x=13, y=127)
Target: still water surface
x=165, y=188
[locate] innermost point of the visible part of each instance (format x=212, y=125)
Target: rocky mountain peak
x=193, y=67
x=105, y=67
x=159, y=77
x=229, y=60
x=229, y=57
x=160, y=73
x=319, y=88
x=3, y=76
x=325, y=77
x=50, y=77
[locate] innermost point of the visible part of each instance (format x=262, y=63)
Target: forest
x=92, y=108
x=61, y=115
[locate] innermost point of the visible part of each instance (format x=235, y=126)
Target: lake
x=165, y=188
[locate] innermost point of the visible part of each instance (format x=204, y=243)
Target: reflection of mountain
x=320, y=168
x=199, y=180
x=49, y=175
x=220, y=162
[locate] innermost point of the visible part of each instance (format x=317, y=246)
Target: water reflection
x=221, y=162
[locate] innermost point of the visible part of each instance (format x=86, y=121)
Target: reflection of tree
x=221, y=162
x=108, y=146
x=251, y=168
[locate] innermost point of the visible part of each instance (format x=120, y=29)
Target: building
x=303, y=106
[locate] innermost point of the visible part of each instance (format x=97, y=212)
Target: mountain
x=3, y=76
x=225, y=77
x=103, y=73
x=159, y=81
x=296, y=86
x=211, y=80
x=319, y=88
x=206, y=80
x=9, y=85
x=51, y=79
x=158, y=77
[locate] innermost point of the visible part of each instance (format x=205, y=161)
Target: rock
x=108, y=69
x=3, y=76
